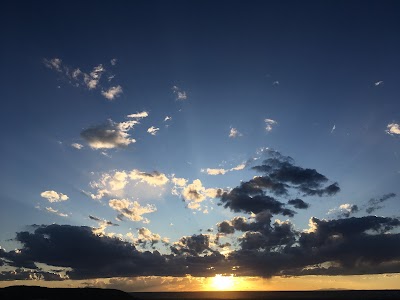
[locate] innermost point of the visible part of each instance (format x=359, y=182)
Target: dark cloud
x=108, y=135
x=101, y=221
x=298, y=203
x=375, y=203
x=281, y=176
x=349, y=210
x=343, y=246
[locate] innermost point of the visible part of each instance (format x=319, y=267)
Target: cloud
x=234, y=133
x=378, y=83
x=113, y=62
x=153, y=130
x=345, y=210
x=54, y=64
x=221, y=171
x=53, y=196
x=77, y=146
x=145, y=237
x=154, y=178
x=131, y=210
x=139, y=115
x=393, y=129
x=215, y=171
x=179, y=93
x=103, y=224
x=55, y=211
x=298, y=203
x=195, y=193
x=109, y=135
x=333, y=128
x=167, y=118
x=92, y=80
x=269, y=124
x=375, y=203
x=275, y=83
x=280, y=177
x=112, y=92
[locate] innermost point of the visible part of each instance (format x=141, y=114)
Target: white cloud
x=215, y=171
x=238, y=167
x=154, y=178
x=179, y=181
x=54, y=64
x=139, y=115
x=167, y=118
x=77, y=146
x=378, y=83
x=269, y=123
x=234, y=133
x=131, y=210
x=179, y=93
x=55, y=211
x=109, y=135
x=333, y=128
x=195, y=193
x=153, y=130
x=393, y=129
x=53, y=196
x=112, y=92
x=275, y=82
x=113, y=61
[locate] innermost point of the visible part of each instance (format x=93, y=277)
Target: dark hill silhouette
x=42, y=293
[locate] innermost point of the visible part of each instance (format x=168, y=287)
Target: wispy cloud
x=221, y=171
x=77, y=146
x=179, y=93
x=112, y=92
x=269, y=124
x=153, y=130
x=167, y=118
x=91, y=80
x=113, y=62
x=234, y=133
x=333, y=128
x=55, y=211
x=378, y=83
x=53, y=196
x=393, y=129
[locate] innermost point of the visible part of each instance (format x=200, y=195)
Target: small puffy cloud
x=109, y=135
x=269, y=124
x=233, y=133
x=195, y=193
x=145, y=236
x=53, y=196
x=139, y=115
x=344, y=210
x=167, y=118
x=154, y=178
x=393, y=129
x=131, y=210
x=378, y=83
x=77, y=146
x=153, y=130
x=113, y=61
x=179, y=181
x=112, y=92
x=54, y=64
x=55, y=211
x=215, y=171
x=179, y=93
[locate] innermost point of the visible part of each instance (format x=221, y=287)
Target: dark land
x=41, y=293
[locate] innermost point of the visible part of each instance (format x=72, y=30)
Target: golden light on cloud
x=222, y=283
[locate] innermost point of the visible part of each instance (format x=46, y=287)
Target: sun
x=222, y=283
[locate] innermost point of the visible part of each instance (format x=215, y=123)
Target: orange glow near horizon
x=222, y=283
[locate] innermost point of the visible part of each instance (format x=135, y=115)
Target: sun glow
x=222, y=283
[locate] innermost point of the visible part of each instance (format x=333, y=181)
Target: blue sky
x=124, y=111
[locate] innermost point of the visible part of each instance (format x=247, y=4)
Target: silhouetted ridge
x=42, y=293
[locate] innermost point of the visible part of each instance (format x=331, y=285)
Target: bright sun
x=222, y=283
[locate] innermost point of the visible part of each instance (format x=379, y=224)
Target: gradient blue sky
x=325, y=74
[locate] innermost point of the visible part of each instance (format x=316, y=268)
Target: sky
x=200, y=145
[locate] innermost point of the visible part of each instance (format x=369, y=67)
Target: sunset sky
x=200, y=145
